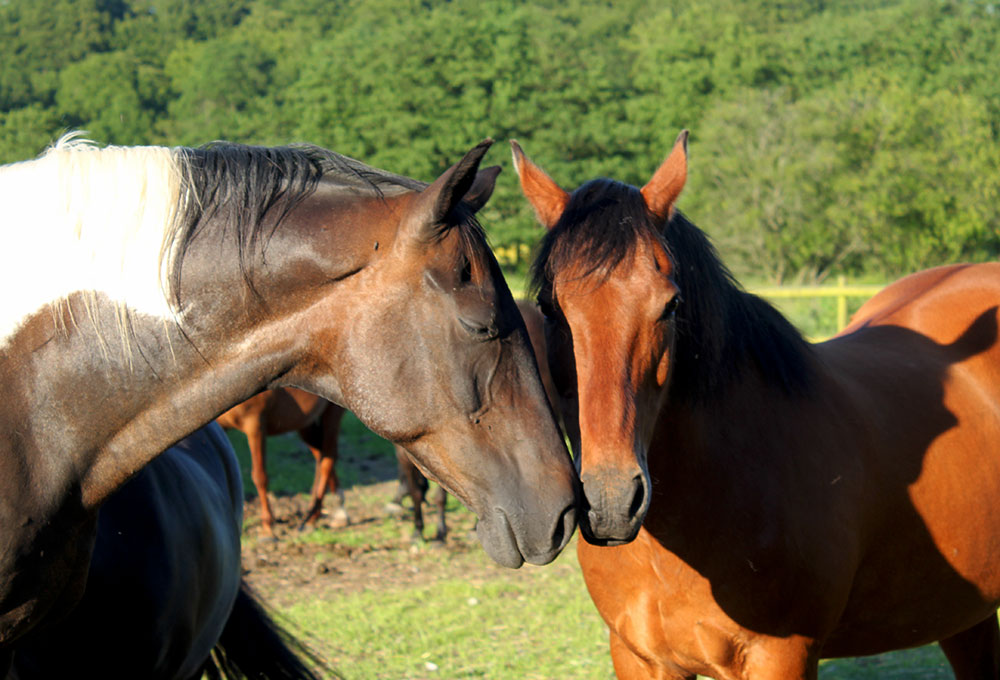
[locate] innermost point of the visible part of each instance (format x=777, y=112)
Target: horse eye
x=465, y=275
x=671, y=307
x=546, y=308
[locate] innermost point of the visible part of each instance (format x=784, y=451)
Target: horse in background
x=165, y=599
x=414, y=484
x=159, y=287
x=753, y=502
x=317, y=421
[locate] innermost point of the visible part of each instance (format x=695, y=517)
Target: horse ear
x=665, y=186
x=546, y=197
x=482, y=187
x=436, y=202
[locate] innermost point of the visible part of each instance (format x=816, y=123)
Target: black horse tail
x=254, y=646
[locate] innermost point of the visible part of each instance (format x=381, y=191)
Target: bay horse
x=754, y=502
x=317, y=421
x=149, y=289
x=165, y=599
x=414, y=485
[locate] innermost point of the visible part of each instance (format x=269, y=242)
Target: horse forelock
x=720, y=328
x=600, y=228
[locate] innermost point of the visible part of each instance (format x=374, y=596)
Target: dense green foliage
x=851, y=136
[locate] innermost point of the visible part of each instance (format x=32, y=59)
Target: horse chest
x=661, y=608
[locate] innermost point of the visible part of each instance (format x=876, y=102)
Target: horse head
x=606, y=287
x=437, y=359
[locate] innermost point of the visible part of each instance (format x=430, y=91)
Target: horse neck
x=113, y=400
x=98, y=411
x=728, y=389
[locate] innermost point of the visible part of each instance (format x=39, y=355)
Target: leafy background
x=853, y=137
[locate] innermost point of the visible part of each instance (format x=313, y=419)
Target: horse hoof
x=339, y=520
x=394, y=508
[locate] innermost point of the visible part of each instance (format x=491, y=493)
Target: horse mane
x=119, y=220
x=721, y=330
x=253, y=188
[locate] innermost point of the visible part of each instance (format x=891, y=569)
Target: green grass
x=924, y=663
x=534, y=624
x=537, y=623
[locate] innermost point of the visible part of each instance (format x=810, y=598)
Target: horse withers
x=159, y=287
x=784, y=501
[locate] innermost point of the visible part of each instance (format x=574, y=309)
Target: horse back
x=920, y=364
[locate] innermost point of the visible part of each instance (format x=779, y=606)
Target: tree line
x=853, y=137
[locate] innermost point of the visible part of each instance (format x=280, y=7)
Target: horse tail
x=253, y=645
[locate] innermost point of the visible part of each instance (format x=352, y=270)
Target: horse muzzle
x=614, y=506
x=512, y=539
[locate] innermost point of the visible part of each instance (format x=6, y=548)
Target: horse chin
x=606, y=541
x=499, y=542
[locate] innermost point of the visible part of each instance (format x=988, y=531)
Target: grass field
x=378, y=606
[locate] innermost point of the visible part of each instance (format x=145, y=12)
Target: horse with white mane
x=149, y=289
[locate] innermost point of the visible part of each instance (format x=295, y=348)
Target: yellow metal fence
x=841, y=291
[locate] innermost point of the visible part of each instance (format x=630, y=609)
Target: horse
x=754, y=502
x=414, y=485
x=286, y=409
x=158, y=287
x=165, y=598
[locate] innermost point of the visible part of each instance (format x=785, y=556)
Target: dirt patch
x=377, y=550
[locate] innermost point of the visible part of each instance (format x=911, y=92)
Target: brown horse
x=286, y=409
x=787, y=501
x=414, y=485
x=156, y=288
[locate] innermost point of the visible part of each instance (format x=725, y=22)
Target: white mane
x=84, y=219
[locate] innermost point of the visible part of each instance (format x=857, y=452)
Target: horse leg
x=974, y=654
x=409, y=474
x=331, y=435
x=630, y=666
x=442, y=527
x=321, y=438
x=257, y=441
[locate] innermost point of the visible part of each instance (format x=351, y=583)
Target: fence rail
x=841, y=291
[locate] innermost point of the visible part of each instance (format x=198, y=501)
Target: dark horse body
x=180, y=282
x=286, y=409
x=804, y=501
x=164, y=579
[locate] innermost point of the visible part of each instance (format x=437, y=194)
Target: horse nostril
x=560, y=533
x=638, y=498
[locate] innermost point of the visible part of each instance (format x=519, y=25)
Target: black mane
x=720, y=328
x=253, y=188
